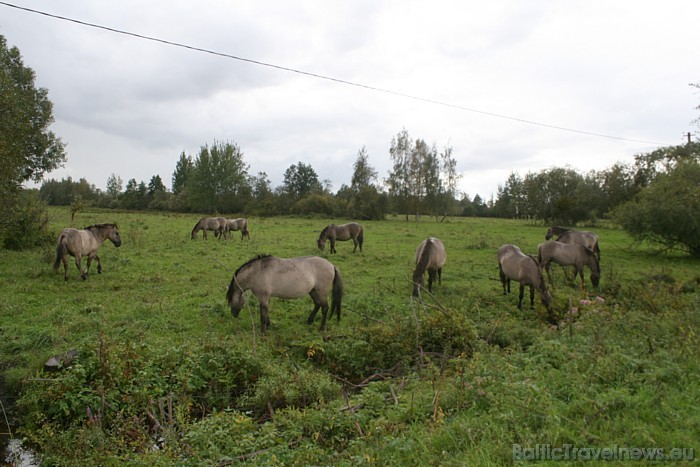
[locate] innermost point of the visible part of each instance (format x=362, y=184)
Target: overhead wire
x=327, y=78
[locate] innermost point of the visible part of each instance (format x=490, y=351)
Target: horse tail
x=61, y=250
x=361, y=237
x=337, y=294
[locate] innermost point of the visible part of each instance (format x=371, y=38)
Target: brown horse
x=217, y=224
x=430, y=256
x=581, y=237
x=287, y=278
x=341, y=232
x=567, y=254
x=233, y=225
x=79, y=243
x=513, y=264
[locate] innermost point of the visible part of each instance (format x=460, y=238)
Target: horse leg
x=89, y=262
x=317, y=304
x=579, y=272
x=64, y=260
x=532, y=297
x=520, y=297
x=264, y=316
x=99, y=264
x=324, y=313
x=431, y=279
x=439, y=271
x=503, y=278
x=332, y=245
x=78, y=264
x=548, y=268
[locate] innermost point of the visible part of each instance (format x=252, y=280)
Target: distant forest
x=422, y=182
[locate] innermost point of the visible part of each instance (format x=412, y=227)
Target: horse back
x=431, y=253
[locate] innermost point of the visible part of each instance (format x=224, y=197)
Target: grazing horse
x=268, y=276
x=430, y=256
x=513, y=264
x=217, y=224
x=567, y=254
x=582, y=237
x=341, y=232
x=79, y=243
x=233, y=225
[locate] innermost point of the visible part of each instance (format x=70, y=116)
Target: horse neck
x=101, y=233
x=425, y=257
x=592, y=261
x=325, y=233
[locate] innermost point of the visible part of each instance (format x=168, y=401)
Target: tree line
x=217, y=180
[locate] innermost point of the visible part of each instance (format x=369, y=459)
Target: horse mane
x=260, y=257
x=560, y=231
x=325, y=232
x=100, y=226
x=425, y=257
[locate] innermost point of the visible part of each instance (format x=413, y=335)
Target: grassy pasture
x=458, y=379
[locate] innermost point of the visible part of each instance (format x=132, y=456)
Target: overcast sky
x=489, y=79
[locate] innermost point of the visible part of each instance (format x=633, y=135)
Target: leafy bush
x=26, y=224
x=667, y=212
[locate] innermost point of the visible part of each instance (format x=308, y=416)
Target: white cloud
x=130, y=106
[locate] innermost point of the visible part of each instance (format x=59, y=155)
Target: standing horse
x=268, y=276
x=567, y=254
x=241, y=224
x=513, y=264
x=581, y=237
x=217, y=224
x=79, y=243
x=341, y=232
x=430, y=256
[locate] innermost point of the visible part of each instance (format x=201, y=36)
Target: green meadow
x=165, y=375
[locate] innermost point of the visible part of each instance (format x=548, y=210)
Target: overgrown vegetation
x=165, y=375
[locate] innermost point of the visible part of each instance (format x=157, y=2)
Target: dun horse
x=268, y=276
x=581, y=237
x=513, y=264
x=430, y=256
x=341, y=232
x=217, y=224
x=241, y=224
x=86, y=242
x=569, y=255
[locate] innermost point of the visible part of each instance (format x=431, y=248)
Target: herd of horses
x=289, y=278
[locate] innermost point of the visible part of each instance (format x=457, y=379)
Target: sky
x=512, y=86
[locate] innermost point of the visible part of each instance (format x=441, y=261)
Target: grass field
x=167, y=376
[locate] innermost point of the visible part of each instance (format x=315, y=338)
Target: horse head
x=235, y=297
x=114, y=235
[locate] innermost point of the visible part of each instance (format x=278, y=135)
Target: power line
x=327, y=78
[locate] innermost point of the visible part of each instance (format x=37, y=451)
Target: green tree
x=667, y=212
x=264, y=200
x=183, y=171
x=510, y=199
x=114, y=186
x=28, y=149
x=155, y=185
x=219, y=181
x=301, y=180
x=363, y=197
x=449, y=180
x=400, y=180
